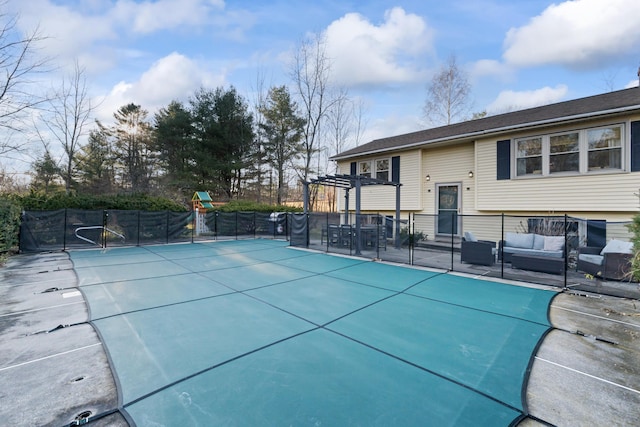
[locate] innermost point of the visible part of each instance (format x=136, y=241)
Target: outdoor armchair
x=473, y=251
x=608, y=264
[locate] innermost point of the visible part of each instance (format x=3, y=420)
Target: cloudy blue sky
x=517, y=53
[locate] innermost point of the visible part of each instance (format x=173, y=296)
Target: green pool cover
x=254, y=333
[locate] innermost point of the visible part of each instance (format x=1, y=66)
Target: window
x=564, y=155
x=605, y=148
x=574, y=152
x=379, y=168
x=529, y=161
x=382, y=169
x=364, y=169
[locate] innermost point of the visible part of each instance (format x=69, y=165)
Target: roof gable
x=583, y=107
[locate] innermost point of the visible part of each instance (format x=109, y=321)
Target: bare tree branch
x=448, y=95
x=70, y=110
x=19, y=65
x=310, y=72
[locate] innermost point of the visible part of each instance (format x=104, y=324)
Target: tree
x=173, y=139
x=256, y=170
x=45, y=172
x=133, y=147
x=18, y=92
x=310, y=72
x=223, y=130
x=448, y=95
x=282, y=130
x=69, y=111
x=95, y=163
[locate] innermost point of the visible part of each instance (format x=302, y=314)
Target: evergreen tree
x=283, y=131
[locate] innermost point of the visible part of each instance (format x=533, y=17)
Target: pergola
x=348, y=182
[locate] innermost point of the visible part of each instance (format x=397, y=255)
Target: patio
x=439, y=255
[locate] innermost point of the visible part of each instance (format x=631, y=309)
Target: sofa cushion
x=591, y=258
x=533, y=252
x=538, y=241
x=470, y=237
x=519, y=240
x=553, y=243
x=617, y=247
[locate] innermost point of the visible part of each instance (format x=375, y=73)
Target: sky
x=517, y=54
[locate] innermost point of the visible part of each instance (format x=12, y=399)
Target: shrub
x=40, y=202
x=9, y=225
x=247, y=206
x=634, y=228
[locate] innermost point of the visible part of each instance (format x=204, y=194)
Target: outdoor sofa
x=534, y=252
x=530, y=244
x=610, y=262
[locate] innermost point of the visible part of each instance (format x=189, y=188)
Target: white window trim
x=388, y=170
x=373, y=166
x=584, y=153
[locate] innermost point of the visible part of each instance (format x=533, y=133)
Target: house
x=579, y=157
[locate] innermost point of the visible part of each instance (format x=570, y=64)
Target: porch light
x=470, y=174
x=428, y=178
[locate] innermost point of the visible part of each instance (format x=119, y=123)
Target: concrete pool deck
x=586, y=372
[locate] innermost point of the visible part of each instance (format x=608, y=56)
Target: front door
x=448, y=208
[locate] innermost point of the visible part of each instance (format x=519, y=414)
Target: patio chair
x=611, y=262
x=474, y=251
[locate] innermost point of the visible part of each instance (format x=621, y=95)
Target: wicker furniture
x=607, y=264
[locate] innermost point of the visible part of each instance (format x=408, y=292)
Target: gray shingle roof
x=583, y=107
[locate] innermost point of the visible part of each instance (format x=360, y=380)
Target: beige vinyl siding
x=449, y=165
x=594, y=192
x=378, y=198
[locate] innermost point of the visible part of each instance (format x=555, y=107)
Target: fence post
x=326, y=225
x=138, y=233
x=105, y=224
x=566, y=251
x=454, y=220
x=412, y=229
x=167, y=228
x=501, y=248
x=64, y=232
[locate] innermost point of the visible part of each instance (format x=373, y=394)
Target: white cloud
x=67, y=33
x=149, y=16
x=580, y=33
x=632, y=83
x=91, y=31
x=364, y=53
x=384, y=127
x=491, y=68
x=510, y=100
x=173, y=77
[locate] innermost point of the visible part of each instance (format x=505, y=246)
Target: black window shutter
x=597, y=232
x=504, y=159
x=395, y=169
x=353, y=168
x=635, y=146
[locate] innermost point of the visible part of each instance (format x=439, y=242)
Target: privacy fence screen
x=573, y=253
x=76, y=229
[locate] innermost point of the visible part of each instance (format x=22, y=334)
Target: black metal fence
x=556, y=250
x=562, y=251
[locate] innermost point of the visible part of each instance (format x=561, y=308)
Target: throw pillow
x=538, y=242
x=553, y=243
x=469, y=237
x=519, y=240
